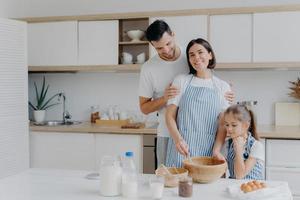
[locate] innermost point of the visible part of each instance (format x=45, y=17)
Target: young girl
x=245, y=155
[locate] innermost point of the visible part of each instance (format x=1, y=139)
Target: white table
x=43, y=184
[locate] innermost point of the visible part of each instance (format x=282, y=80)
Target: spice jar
x=185, y=187
x=94, y=113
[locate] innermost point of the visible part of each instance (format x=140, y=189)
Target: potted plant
x=42, y=104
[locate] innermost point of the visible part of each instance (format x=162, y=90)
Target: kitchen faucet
x=66, y=114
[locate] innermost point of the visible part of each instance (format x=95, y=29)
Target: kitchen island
x=45, y=184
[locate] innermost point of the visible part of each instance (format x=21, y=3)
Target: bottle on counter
x=110, y=176
x=95, y=113
x=129, y=176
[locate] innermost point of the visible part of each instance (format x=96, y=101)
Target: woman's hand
x=182, y=147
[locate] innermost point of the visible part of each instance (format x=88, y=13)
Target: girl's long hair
x=244, y=114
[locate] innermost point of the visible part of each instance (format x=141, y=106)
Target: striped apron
x=197, y=122
x=257, y=171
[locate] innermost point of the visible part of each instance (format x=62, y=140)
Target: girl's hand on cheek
x=238, y=143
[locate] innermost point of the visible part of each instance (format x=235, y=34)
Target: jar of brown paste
x=185, y=187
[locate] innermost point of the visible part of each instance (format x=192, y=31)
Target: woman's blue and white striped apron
x=257, y=171
x=197, y=122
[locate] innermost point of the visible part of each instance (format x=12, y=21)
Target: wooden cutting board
x=133, y=125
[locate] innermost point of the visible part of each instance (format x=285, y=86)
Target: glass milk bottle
x=110, y=176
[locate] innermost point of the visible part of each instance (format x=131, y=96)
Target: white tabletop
x=42, y=184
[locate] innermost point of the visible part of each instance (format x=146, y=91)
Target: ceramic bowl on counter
x=135, y=35
x=172, y=175
x=205, y=169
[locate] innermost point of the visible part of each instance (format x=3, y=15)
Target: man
x=156, y=77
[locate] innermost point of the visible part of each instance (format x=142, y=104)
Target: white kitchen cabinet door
x=290, y=175
x=231, y=37
x=98, y=42
x=117, y=145
x=276, y=37
x=185, y=28
x=283, y=153
x=53, y=43
x=75, y=151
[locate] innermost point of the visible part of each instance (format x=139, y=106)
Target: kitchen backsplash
x=105, y=89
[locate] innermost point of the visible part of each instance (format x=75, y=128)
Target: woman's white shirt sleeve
x=257, y=151
x=225, y=87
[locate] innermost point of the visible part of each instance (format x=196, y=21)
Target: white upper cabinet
x=185, y=28
x=276, y=37
x=98, y=42
x=52, y=43
x=231, y=37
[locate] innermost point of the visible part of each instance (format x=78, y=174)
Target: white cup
x=157, y=187
x=141, y=58
x=126, y=58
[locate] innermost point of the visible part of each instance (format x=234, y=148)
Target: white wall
x=86, y=89
x=104, y=89
x=80, y=7
x=12, y=8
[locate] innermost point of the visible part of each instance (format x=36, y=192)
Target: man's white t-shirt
x=156, y=75
x=183, y=80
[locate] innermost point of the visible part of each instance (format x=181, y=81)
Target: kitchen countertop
x=87, y=127
x=45, y=184
x=265, y=131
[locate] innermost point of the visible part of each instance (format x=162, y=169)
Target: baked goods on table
x=252, y=186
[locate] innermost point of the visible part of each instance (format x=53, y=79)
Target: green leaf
x=44, y=96
x=37, y=94
x=42, y=92
x=51, y=105
x=45, y=104
x=32, y=106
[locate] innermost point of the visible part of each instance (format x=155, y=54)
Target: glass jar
x=94, y=113
x=110, y=176
x=185, y=187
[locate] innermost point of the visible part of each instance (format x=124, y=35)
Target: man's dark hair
x=156, y=30
x=206, y=45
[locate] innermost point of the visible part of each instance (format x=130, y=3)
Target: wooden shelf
x=85, y=68
x=133, y=43
x=135, y=68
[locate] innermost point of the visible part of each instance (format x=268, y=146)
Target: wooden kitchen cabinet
x=133, y=47
x=276, y=37
x=117, y=145
x=62, y=150
x=283, y=162
x=185, y=28
x=98, y=42
x=230, y=42
x=52, y=43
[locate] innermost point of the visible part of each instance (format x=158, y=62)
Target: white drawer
x=290, y=175
x=283, y=153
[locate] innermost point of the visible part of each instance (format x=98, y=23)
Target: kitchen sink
x=57, y=123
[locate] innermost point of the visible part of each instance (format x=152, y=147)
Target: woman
x=192, y=116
